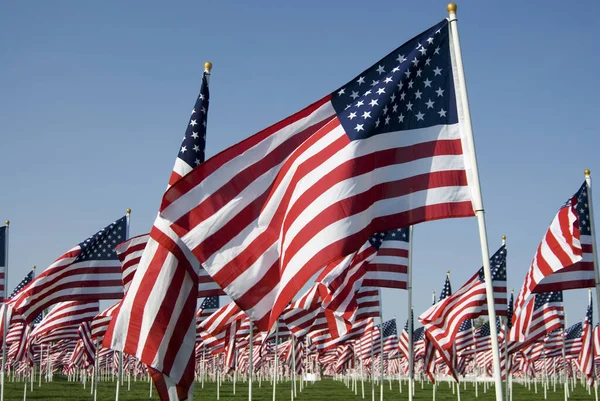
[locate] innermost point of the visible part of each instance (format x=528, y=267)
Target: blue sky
x=96, y=96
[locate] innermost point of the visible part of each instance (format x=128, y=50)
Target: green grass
x=329, y=390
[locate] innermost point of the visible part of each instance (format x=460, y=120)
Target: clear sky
x=95, y=98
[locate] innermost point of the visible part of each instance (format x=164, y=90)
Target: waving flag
x=156, y=320
x=381, y=152
x=89, y=271
x=585, y=358
x=64, y=320
x=390, y=338
x=442, y=321
x=564, y=259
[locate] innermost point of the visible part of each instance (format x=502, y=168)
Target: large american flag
x=3, y=261
x=89, y=271
x=564, y=259
x=586, y=356
x=156, y=321
x=381, y=152
x=442, y=320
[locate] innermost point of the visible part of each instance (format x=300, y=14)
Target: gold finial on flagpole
x=33, y=268
x=207, y=66
x=504, y=238
x=587, y=172
x=128, y=211
x=7, y=223
x=512, y=291
x=451, y=7
x=447, y=273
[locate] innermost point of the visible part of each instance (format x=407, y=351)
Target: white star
x=388, y=80
x=427, y=61
x=420, y=116
x=387, y=120
x=393, y=97
x=352, y=115
x=418, y=94
x=430, y=40
x=354, y=95
x=359, y=127
x=373, y=102
x=341, y=92
x=183, y=149
x=396, y=69
x=401, y=118
x=374, y=83
x=196, y=148
x=436, y=51
x=442, y=113
x=367, y=93
x=401, y=59
x=394, y=108
x=380, y=91
x=402, y=96
x=410, y=84
x=440, y=92
x=380, y=70
x=429, y=104
x=415, y=61
x=400, y=85
x=197, y=161
x=437, y=71
x=193, y=123
x=419, y=71
x=366, y=114
x=193, y=110
x=407, y=73
x=427, y=83
x=347, y=106
x=360, y=80
x=359, y=103
x=423, y=50
x=385, y=109
x=409, y=106
x=195, y=135
x=377, y=123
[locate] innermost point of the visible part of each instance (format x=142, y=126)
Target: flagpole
x=588, y=183
x=127, y=221
x=411, y=348
x=275, y=361
x=506, y=322
x=380, y=344
x=4, y=310
x=251, y=368
x=463, y=107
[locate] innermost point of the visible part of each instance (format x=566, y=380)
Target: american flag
x=586, y=356
x=3, y=261
x=442, y=321
x=90, y=270
x=464, y=338
x=129, y=254
x=572, y=339
x=389, y=266
x=101, y=321
x=64, y=320
x=390, y=338
x=208, y=306
x=156, y=320
x=564, y=259
x=403, y=340
x=541, y=315
x=381, y=152
x=85, y=336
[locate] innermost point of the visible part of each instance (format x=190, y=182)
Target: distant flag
x=90, y=270
x=381, y=152
x=63, y=322
x=464, y=338
x=442, y=321
x=586, y=356
x=390, y=338
x=208, y=306
x=403, y=340
x=564, y=259
x=572, y=340
x=156, y=321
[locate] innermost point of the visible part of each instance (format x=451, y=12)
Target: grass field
x=328, y=390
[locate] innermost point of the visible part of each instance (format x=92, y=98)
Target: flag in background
x=541, y=315
x=564, y=259
x=90, y=270
x=156, y=321
x=585, y=358
x=265, y=215
x=3, y=264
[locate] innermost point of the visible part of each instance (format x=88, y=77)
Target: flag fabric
x=403, y=340
x=586, y=356
x=381, y=152
x=464, y=338
x=442, y=321
x=572, y=340
x=564, y=259
x=389, y=266
x=3, y=261
x=390, y=338
x=101, y=321
x=129, y=254
x=541, y=315
x=64, y=321
x=208, y=306
x=156, y=320
x=89, y=271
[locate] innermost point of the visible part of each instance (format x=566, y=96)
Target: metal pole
x=275, y=367
x=463, y=109
x=380, y=344
x=588, y=182
x=4, y=310
x=411, y=348
x=251, y=369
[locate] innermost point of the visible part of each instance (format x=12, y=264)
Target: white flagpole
x=411, y=348
x=275, y=367
x=41, y=354
x=5, y=312
x=96, y=365
x=380, y=344
x=463, y=108
x=588, y=182
x=251, y=368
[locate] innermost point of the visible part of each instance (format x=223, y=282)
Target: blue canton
x=544, y=298
x=194, y=141
x=588, y=315
x=210, y=303
x=510, y=310
x=26, y=280
x=484, y=330
x=410, y=88
x=580, y=201
x=419, y=334
x=408, y=320
x=399, y=234
x=574, y=331
x=466, y=325
x=447, y=290
x=389, y=328
x=101, y=246
x=497, y=265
